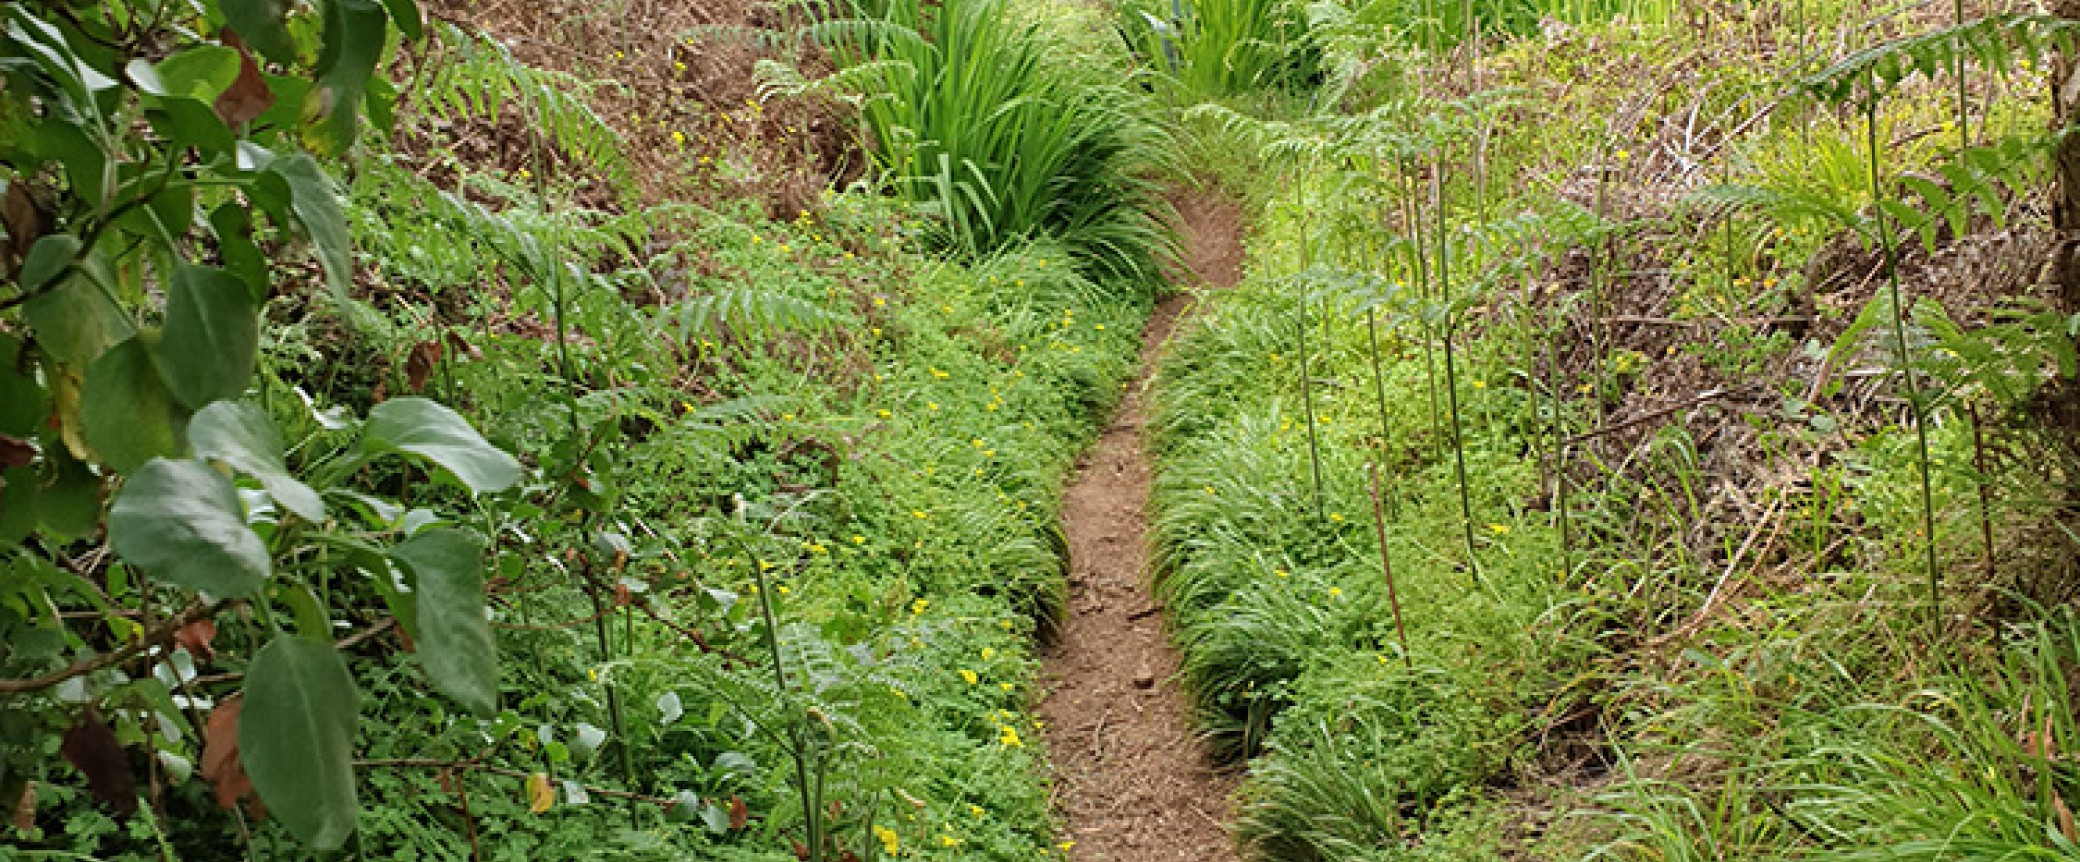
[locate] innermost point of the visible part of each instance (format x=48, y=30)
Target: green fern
x=476, y=77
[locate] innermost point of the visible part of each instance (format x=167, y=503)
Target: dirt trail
x=1133, y=782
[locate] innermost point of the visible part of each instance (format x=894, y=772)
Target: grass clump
x=976, y=120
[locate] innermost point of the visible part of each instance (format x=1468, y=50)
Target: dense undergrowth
x=1614, y=359
x=1639, y=435
x=670, y=531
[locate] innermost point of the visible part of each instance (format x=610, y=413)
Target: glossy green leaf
x=438, y=434
x=127, y=414
x=212, y=335
x=317, y=209
x=262, y=24
x=240, y=435
x=296, y=738
x=180, y=521
x=453, y=635
x=353, y=43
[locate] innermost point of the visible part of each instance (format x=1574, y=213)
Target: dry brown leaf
x=23, y=221
x=196, y=637
x=418, y=366
x=220, y=761
x=739, y=813
x=2065, y=818
x=15, y=453
x=248, y=96
x=92, y=747
x=24, y=809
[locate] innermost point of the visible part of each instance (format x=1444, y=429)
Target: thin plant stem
x=812, y=817
x=1422, y=256
x=1906, y=367
x=1386, y=565
x=1451, y=378
x=1314, y=452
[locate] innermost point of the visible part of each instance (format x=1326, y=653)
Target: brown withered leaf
x=462, y=346
x=220, y=763
x=418, y=366
x=91, y=746
x=739, y=813
x=15, y=453
x=23, y=221
x=248, y=96
x=23, y=811
x=196, y=637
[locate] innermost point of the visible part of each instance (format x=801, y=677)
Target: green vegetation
x=522, y=527
x=1644, y=431
x=1670, y=590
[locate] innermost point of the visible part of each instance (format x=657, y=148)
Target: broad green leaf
x=454, y=637
x=406, y=15
x=75, y=321
x=23, y=404
x=233, y=226
x=241, y=436
x=438, y=434
x=87, y=165
x=190, y=122
x=181, y=523
x=18, y=504
x=47, y=260
x=127, y=415
x=200, y=72
x=212, y=335
x=260, y=23
x=69, y=503
x=353, y=43
x=296, y=738
x=316, y=206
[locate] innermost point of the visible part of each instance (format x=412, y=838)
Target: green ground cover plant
x=529, y=527
x=1571, y=631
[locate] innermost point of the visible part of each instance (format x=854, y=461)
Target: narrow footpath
x=1133, y=781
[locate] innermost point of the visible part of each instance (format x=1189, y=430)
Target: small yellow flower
x=880, y=303
x=989, y=653
x=1064, y=846
x=1499, y=529
x=1009, y=738
x=890, y=844
x=975, y=810
x=1006, y=686
x=859, y=540
x=1282, y=573
x=919, y=514
x=918, y=606
x=949, y=841
x=884, y=414
x=1335, y=592
x=1336, y=517
x=969, y=676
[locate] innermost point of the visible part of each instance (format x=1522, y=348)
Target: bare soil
x=1134, y=782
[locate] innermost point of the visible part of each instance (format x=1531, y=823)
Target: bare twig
x=159, y=635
